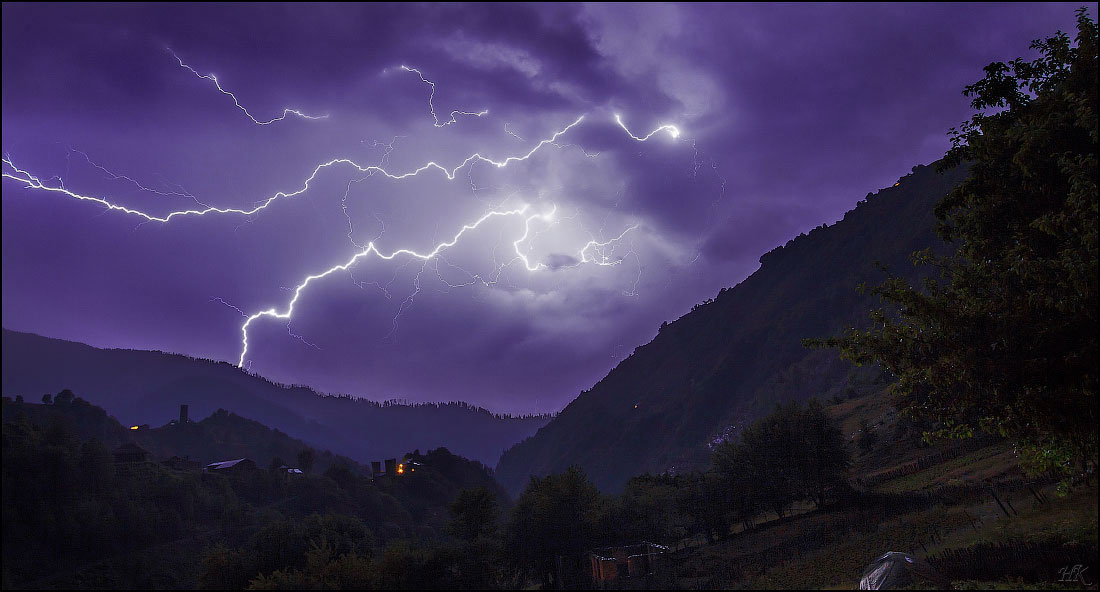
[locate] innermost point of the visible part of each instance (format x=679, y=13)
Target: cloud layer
x=787, y=115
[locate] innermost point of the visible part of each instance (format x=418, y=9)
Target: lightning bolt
x=598, y=248
x=214, y=79
x=435, y=253
x=110, y=175
x=431, y=104
x=593, y=252
x=371, y=249
x=33, y=182
x=671, y=129
x=512, y=133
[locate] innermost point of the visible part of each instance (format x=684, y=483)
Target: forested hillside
x=735, y=356
x=140, y=387
x=76, y=515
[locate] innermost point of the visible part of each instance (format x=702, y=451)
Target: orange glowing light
x=134, y=427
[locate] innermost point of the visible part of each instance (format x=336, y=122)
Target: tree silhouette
x=305, y=459
x=1004, y=339
x=65, y=397
x=555, y=516
x=473, y=514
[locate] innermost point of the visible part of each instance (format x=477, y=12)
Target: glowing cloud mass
x=494, y=204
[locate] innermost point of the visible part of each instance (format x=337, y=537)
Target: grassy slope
x=830, y=548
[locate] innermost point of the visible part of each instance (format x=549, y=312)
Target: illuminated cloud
x=146, y=206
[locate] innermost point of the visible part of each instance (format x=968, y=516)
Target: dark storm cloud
x=560, y=260
x=789, y=114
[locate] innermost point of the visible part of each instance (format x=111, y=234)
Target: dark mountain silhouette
x=221, y=436
x=146, y=387
x=734, y=356
x=90, y=503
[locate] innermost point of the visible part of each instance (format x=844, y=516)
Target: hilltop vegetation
x=990, y=323
x=732, y=358
x=1002, y=337
x=699, y=443
x=74, y=516
x=221, y=436
x=146, y=387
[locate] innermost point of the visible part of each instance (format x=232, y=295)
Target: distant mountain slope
x=732, y=357
x=221, y=436
x=140, y=387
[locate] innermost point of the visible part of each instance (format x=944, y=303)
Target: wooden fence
x=1050, y=561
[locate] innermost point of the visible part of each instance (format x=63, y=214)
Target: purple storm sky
x=787, y=116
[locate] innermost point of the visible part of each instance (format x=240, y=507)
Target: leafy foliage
x=793, y=454
x=473, y=514
x=71, y=507
x=1003, y=339
x=556, y=515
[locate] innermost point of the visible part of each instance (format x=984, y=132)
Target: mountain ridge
x=732, y=357
x=147, y=387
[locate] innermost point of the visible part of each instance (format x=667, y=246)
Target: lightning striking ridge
x=431, y=104
x=214, y=79
x=671, y=129
x=370, y=249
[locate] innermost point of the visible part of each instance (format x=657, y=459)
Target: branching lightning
x=595, y=252
x=431, y=103
x=214, y=79
x=512, y=133
x=372, y=249
x=33, y=182
x=110, y=175
x=671, y=129
x=600, y=257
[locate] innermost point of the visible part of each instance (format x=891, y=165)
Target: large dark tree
x=792, y=454
x=473, y=514
x=823, y=461
x=1003, y=337
x=556, y=516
